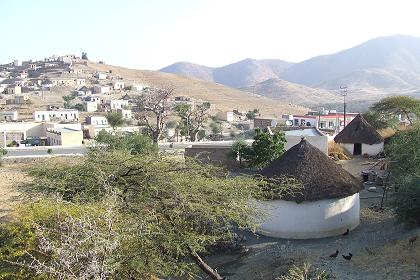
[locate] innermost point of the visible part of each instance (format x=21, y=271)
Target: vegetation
x=395, y=105
x=154, y=107
x=192, y=120
x=134, y=143
x=116, y=214
x=115, y=119
x=67, y=100
x=49, y=151
x=404, y=153
x=304, y=273
x=239, y=150
x=84, y=56
x=265, y=148
x=380, y=121
x=252, y=114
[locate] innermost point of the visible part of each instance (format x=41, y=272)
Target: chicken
x=334, y=255
x=348, y=257
x=412, y=240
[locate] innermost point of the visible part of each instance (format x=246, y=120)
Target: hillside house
x=14, y=90
x=9, y=116
x=126, y=114
x=96, y=120
x=118, y=104
x=80, y=82
x=91, y=106
x=101, y=76
x=99, y=89
x=63, y=115
x=263, y=123
x=118, y=85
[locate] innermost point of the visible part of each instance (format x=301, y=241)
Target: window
x=331, y=124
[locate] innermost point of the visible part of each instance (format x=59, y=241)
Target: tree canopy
x=395, y=105
x=115, y=119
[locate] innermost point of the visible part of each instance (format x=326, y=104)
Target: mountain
x=224, y=98
x=191, y=70
x=292, y=93
x=244, y=73
x=388, y=63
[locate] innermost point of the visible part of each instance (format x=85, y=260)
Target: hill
x=387, y=63
x=240, y=74
x=293, y=93
x=224, y=98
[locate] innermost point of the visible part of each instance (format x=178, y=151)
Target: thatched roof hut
x=321, y=177
x=359, y=131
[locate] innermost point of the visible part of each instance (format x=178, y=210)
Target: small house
x=360, y=138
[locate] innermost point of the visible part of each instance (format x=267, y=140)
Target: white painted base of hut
x=306, y=220
x=371, y=150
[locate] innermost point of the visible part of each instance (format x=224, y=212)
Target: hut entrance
x=357, y=150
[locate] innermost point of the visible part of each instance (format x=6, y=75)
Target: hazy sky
x=150, y=34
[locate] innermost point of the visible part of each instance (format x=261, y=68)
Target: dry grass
x=396, y=260
x=337, y=152
x=386, y=132
x=371, y=216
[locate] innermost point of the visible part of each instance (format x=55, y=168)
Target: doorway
x=357, y=150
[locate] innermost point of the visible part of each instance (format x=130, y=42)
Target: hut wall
x=318, y=219
x=371, y=150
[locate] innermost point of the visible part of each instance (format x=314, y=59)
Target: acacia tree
x=154, y=107
x=193, y=119
x=115, y=119
x=164, y=219
x=396, y=105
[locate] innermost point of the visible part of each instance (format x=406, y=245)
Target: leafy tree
x=265, y=148
x=240, y=149
x=396, y=105
x=115, y=119
x=252, y=114
x=84, y=56
x=379, y=120
x=168, y=212
x=404, y=153
x=193, y=119
x=135, y=143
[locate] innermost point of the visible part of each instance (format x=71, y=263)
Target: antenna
x=343, y=90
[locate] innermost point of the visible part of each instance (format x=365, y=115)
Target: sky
x=151, y=34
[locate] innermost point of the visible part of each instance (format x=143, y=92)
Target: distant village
x=60, y=102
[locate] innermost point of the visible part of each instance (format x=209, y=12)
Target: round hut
x=360, y=138
x=327, y=205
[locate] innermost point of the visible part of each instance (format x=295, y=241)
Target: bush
x=408, y=201
x=136, y=143
x=304, y=273
x=49, y=151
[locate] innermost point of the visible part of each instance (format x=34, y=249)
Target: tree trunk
x=205, y=267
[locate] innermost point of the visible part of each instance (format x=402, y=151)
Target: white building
x=64, y=137
x=126, y=114
x=118, y=85
x=14, y=90
x=96, y=120
x=327, y=205
x=118, y=104
x=226, y=116
x=63, y=114
x=17, y=63
x=9, y=115
x=80, y=82
x=101, y=76
x=91, y=106
x=101, y=89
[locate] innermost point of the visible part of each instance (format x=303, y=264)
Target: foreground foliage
x=404, y=152
x=126, y=214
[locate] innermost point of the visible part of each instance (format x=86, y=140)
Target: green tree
x=404, y=154
x=115, y=119
x=265, y=148
x=395, y=105
x=379, y=120
x=135, y=143
x=240, y=150
x=170, y=212
x=193, y=119
x=250, y=115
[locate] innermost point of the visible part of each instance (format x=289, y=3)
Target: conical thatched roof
x=359, y=131
x=321, y=177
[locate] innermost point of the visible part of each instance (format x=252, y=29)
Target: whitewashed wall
x=330, y=217
x=321, y=142
x=371, y=150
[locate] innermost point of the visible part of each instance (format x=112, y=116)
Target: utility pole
x=343, y=90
